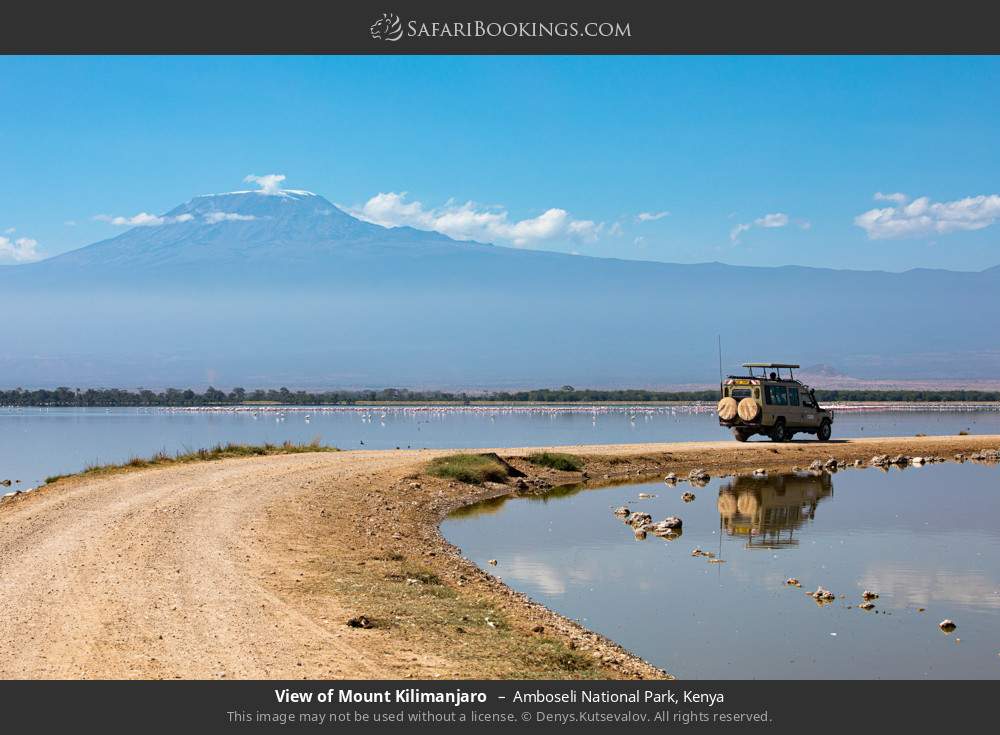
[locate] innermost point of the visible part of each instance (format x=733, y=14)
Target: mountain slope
x=258, y=289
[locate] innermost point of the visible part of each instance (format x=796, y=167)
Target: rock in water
x=822, y=595
x=947, y=625
x=639, y=519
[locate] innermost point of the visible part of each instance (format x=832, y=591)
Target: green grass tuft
x=474, y=469
x=557, y=461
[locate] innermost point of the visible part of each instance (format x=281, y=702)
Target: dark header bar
x=515, y=27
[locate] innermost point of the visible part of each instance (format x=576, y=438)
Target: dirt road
x=250, y=568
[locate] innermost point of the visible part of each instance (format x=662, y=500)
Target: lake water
x=922, y=537
x=38, y=442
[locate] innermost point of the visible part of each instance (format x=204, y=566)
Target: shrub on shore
x=474, y=469
x=219, y=451
x=557, y=461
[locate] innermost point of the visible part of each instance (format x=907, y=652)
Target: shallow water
x=38, y=442
x=923, y=537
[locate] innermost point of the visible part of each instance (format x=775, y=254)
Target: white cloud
x=216, y=217
x=471, y=221
x=10, y=231
x=922, y=217
x=897, y=197
x=734, y=234
x=20, y=250
x=768, y=221
x=778, y=219
x=143, y=219
x=651, y=216
x=269, y=183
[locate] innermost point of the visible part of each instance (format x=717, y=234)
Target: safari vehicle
x=772, y=405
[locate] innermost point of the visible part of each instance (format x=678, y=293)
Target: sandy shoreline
x=250, y=568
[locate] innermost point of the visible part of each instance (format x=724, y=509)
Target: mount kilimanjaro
x=253, y=288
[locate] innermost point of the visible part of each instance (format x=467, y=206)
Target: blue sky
x=750, y=160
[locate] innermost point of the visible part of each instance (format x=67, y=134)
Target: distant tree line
x=109, y=397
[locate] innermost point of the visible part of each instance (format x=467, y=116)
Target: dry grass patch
x=219, y=451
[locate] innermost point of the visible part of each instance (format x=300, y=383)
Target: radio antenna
x=720, y=358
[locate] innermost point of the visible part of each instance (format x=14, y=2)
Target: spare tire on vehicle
x=727, y=409
x=748, y=409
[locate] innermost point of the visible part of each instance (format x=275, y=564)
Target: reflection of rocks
x=687, y=497
x=768, y=512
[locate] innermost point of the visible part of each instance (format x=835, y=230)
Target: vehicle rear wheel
x=740, y=435
x=778, y=432
x=824, y=430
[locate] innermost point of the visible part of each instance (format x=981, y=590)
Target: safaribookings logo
x=390, y=28
x=387, y=28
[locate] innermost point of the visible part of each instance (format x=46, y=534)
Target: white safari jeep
x=771, y=405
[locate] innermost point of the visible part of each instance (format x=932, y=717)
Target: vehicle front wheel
x=740, y=435
x=823, y=432
x=779, y=433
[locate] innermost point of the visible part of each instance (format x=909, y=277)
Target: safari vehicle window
x=776, y=395
x=741, y=393
x=793, y=396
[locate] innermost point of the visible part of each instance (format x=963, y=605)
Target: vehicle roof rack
x=769, y=365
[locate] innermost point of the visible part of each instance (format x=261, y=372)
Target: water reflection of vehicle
x=768, y=511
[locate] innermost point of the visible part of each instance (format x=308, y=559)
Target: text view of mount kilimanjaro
x=283, y=287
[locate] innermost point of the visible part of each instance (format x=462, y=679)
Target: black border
x=665, y=27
